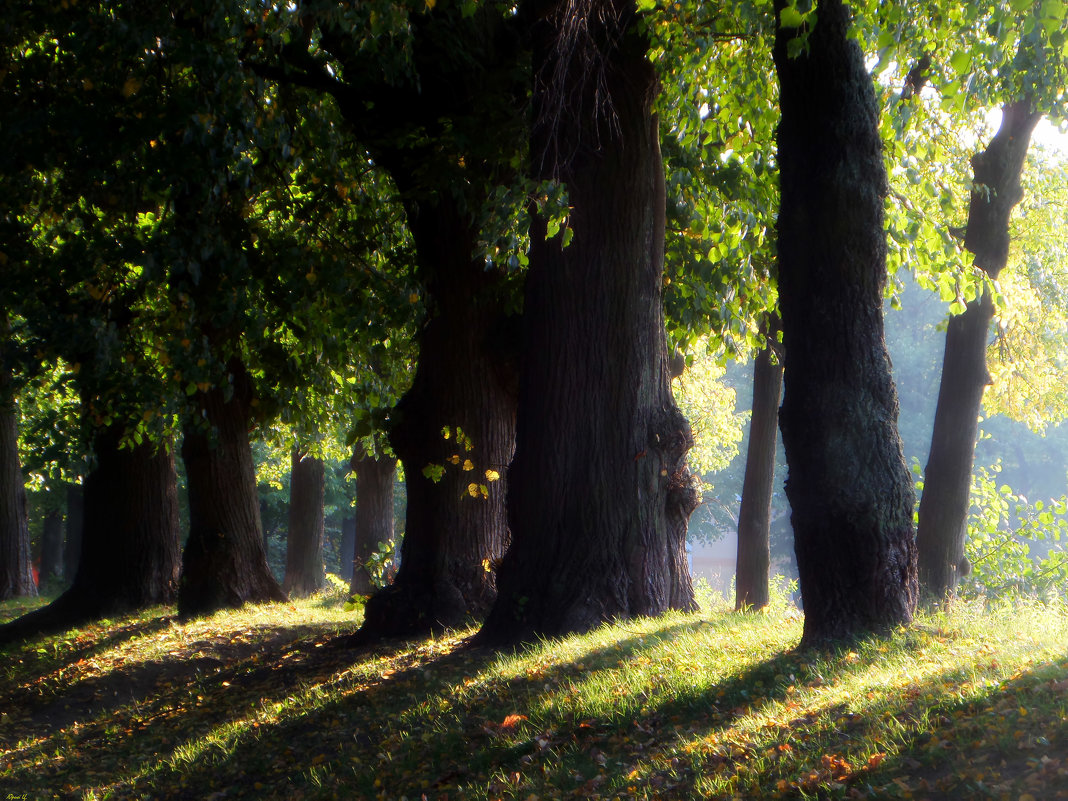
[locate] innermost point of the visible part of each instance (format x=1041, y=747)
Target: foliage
x=709, y=404
x=253, y=704
x=1014, y=545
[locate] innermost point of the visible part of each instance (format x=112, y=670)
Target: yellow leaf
x=430, y=4
x=492, y=475
x=414, y=298
x=468, y=464
x=472, y=490
x=455, y=458
x=131, y=87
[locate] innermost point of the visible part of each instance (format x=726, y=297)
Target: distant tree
x=373, y=526
x=305, y=573
x=754, y=515
x=16, y=577
x=943, y=514
x=850, y=492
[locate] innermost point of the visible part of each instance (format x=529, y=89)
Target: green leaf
x=961, y=61
x=790, y=17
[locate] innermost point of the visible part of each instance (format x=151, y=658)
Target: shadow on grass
x=294, y=718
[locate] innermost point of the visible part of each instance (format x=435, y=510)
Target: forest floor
x=260, y=704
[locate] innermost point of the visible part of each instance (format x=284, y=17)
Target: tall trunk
x=224, y=564
x=374, y=515
x=16, y=575
x=598, y=490
x=72, y=547
x=51, y=546
x=943, y=516
x=758, y=486
x=464, y=382
x=849, y=488
x=347, y=555
x=130, y=542
x=305, y=573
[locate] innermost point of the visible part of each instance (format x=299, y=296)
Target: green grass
x=259, y=704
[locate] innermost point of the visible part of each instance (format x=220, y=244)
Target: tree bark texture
x=130, y=554
x=850, y=491
x=758, y=486
x=465, y=380
x=224, y=564
x=51, y=546
x=599, y=492
x=305, y=572
x=374, y=515
x=16, y=575
x=943, y=516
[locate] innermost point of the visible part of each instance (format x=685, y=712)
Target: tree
x=424, y=110
x=849, y=489
x=944, y=505
x=305, y=573
x=598, y=485
x=16, y=578
x=754, y=515
x=374, y=514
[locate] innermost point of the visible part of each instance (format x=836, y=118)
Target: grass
x=259, y=704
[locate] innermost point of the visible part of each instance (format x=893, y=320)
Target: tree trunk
x=72, y=548
x=51, y=546
x=599, y=493
x=374, y=515
x=464, y=382
x=347, y=555
x=305, y=573
x=224, y=565
x=943, y=516
x=16, y=574
x=758, y=486
x=130, y=541
x=849, y=488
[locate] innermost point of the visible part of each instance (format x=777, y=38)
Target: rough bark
x=758, y=486
x=943, y=515
x=305, y=572
x=130, y=543
x=849, y=488
x=72, y=547
x=51, y=546
x=374, y=515
x=16, y=575
x=598, y=490
x=464, y=381
x=224, y=564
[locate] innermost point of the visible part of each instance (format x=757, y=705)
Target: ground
x=262, y=704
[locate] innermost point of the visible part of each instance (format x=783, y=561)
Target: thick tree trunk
x=130, y=541
x=758, y=486
x=849, y=488
x=465, y=383
x=305, y=573
x=598, y=492
x=374, y=515
x=51, y=546
x=943, y=516
x=16, y=575
x=72, y=547
x=224, y=564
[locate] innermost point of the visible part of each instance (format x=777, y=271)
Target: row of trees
x=228, y=216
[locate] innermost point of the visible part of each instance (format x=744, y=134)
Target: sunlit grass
x=259, y=704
